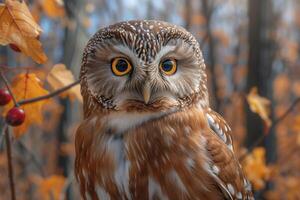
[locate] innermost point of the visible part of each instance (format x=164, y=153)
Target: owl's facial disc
x=143, y=65
x=170, y=76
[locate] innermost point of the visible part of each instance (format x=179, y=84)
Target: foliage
x=43, y=146
x=18, y=27
x=259, y=105
x=24, y=86
x=255, y=168
x=59, y=77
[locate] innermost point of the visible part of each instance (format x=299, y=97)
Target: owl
x=148, y=132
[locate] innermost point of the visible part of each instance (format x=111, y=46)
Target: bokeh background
x=246, y=44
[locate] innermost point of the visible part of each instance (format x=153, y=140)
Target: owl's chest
x=155, y=159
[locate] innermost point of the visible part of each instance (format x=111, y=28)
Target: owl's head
x=142, y=66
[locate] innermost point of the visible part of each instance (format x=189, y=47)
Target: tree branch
x=9, y=164
x=47, y=96
x=275, y=123
x=8, y=87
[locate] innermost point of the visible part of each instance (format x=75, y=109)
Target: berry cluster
x=15, y=116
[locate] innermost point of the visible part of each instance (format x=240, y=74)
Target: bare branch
x=275, y=123
x=47, y=96
x=9, y=164
x=8, y=87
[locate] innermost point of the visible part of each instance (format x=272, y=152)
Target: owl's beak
x=147, y=92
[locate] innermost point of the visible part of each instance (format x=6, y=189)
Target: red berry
x=5, y=97
x=15, y=116
x=14, y=47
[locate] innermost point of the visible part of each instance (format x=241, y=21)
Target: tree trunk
x=207, y=9
x=74, y=41
x=260, y=73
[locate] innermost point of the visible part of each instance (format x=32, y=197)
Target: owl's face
x=143, y=65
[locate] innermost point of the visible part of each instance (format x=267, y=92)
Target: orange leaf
x=26, y=86
x=50, y=188
x=259, y=105
x=18, y=27
x=59, y=77
x=256, y=169
x=53, y=8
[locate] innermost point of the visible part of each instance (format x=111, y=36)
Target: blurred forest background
x=246, y=43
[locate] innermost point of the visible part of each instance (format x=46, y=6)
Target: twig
x=275, y=123
x=9, y=164
x=283, y=116
x=8, y=88
x=47, y=96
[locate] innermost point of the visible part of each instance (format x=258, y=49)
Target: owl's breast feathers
x=181, y=155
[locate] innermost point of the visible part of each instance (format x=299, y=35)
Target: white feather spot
x=101, y=193
x=190, y=163
x=187, y=130
x=230, y=147
x=230, y=189
x=154, y=189
x=239, y=195
x=225, y=127
x=210, y=118
x=121, y=175
x=173, y=175
x=215, y=169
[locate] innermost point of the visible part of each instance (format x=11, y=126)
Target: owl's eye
x=168, y=66
x=120, y=66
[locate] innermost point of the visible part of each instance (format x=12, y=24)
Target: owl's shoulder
x=219, y=126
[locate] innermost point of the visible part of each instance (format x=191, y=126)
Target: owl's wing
x=219, y=126
x=224, y=167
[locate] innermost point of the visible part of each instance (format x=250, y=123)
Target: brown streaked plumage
x=149, y=134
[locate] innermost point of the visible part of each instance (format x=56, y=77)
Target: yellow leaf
x=25, y=86
x=259, y=105
x=50, y=188
x=255, y=168
x=18, y=27
x=53, y=8
x=59, y=77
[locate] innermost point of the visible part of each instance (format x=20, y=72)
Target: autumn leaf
x=59, y=77
x=256, y=169
x=53, y=8
x=25, y=86
x=49, y=188
x=259, y=105
x=18, y=27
